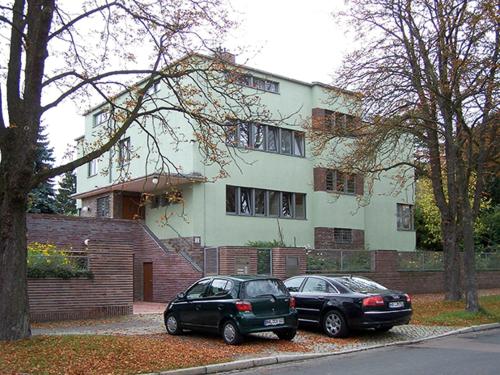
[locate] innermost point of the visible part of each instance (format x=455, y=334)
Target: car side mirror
x=181, y=295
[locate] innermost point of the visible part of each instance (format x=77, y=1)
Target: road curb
x=266, y=361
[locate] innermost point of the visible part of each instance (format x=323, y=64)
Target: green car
x=234, y=306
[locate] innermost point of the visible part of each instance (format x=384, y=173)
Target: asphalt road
x=467, y=354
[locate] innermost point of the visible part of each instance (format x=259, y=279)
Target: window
x=258, y=83
x=360, y=285
x=265, y=138
x=103, y=206
x=298, y=144
x=286, y=205
x=266, y=287
x=101, y=117
x=405, y=216
x=260, y=202
x=293, y=285
x=274, y=203
x=219, y=287
x=272, y=138
x=92, y=168
x=197, y=290
x=291, y=265
x=342, y=235
x=258, y=136
x=124, y=151
x=315, y=285
x=340, y=182
x=286, y=141
x=300, y=206
x=245, y=201
x=231, y=199
x=244, y=139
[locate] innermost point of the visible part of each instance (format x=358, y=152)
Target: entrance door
x=147, y=272
x=131, y=208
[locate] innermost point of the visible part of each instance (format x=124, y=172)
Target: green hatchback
x=234, y=306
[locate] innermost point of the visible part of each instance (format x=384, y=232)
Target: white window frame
x=92, y=168
x=399, y=217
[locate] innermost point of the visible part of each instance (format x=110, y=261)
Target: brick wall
x=117, y=250
x=228, y=258
x=110, y=258
x=279, y=261
x=172, y=273
x=324, y=239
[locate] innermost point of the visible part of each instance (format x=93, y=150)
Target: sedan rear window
x=257, y=288
x=359, y=285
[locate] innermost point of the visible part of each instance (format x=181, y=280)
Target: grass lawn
x=432, y=311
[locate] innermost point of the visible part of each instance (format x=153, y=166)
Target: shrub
x=45, y=260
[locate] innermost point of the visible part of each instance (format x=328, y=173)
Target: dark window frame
x=399, y=217
x=340, y=235
x=267, y=203
x=124, y=160
x=107, y=207
x=332, y=182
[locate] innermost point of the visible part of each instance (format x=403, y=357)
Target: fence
x=264, y=261
x=335, y=261
x=433, y=261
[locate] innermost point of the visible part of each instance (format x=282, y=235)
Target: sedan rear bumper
x=375, y=319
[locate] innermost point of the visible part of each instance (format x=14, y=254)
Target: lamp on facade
x=155, y=180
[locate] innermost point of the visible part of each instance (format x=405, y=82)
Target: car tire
x=334, y=324
x=286, y=334
x=383, y=329
x=230, y=333
x=173, y=325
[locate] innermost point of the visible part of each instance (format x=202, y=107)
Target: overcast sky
x=294, y=38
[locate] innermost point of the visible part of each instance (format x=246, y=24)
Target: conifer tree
x=64, y=204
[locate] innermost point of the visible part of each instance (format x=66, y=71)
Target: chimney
x=225, y=55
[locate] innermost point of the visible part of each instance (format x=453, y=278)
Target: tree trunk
x=14, y=310
x=451, y=260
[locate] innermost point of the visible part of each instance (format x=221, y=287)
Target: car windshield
x=257, y=288
x=359, y=285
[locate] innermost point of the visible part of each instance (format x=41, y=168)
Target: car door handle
x=220, y=307
x=197, y=307
x=321, y=298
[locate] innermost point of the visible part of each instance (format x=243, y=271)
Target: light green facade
x=203, y=211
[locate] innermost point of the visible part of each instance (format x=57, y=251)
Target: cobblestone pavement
x=312, y=338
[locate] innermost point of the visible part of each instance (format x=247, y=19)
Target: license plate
x=274, y=322
x=396, y=305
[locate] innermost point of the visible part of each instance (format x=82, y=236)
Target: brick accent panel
x=324, y=239
x=319, y=179
x=228, y=255
x=279, y=260
x=318, y=116
x=187, y=244
x=360, y=185
x=116, y=250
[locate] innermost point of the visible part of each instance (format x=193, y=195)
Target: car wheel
x=383, y=329
x=230, y=333
x=334, y=324
x=286, y=334
x=173, y=325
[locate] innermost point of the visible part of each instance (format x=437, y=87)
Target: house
x=275, y=188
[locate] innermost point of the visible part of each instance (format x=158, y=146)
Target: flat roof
x=246, y=67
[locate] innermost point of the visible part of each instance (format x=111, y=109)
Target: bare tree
x=64, y=50
x=427, y=71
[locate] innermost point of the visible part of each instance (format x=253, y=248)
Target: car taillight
x=408, y=298
x=292, y=302
x=243, y=306
x=373, y=301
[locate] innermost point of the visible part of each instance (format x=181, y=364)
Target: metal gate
x=264, y=262
x=211, y=261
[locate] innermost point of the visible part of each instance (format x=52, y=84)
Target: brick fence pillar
x=280, y=255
